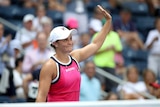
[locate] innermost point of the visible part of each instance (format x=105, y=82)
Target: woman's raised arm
x=92, y=48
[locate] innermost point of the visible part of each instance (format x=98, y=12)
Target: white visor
x=60, y=33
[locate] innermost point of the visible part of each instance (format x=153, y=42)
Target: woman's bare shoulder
x=49, y=66
x=75, y=54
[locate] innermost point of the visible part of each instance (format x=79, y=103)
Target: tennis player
x=60, y=75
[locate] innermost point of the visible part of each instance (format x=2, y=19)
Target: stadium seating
x=136, y=8
x=56, y=16
x=14, y=12
x=144, y=24
x=21, y=12
x=4, y=99
x=135, y=57
x=17, y=23
x=8, y=12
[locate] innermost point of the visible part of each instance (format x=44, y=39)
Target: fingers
x=104, y=12
x=100, y=7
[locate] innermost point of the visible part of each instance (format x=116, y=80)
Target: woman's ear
x=55, y=44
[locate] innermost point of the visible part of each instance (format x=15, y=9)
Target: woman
x=133, y=88
x=153, y=44
x=149, y=77
x=60, y=76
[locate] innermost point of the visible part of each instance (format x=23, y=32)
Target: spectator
x=7, y=90
x=18, y=77
x=5, y=49
x=104, y=58
x=133, y=48
x=133, y=88
x=28, y=4
x=153, y=44
x=55, y=5
x=84, y=40
x=90, y=86
x=26, y=34
x=114, y=6
x=120, y=66
x=31, y=3
x=17, y=48
x=36, y=57
x=30, y=85
x=47, y=25
x=94, y=26
x=127, y=30
x=40, y=13
x=154, y=7
x=149, y=77
x=95, y=23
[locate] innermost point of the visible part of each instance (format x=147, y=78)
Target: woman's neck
x=62, y=57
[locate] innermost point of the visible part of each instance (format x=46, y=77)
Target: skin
x=90, y=69
x=28, y=26
x=132, y=77
x=1, y=30
x=19, y=69
x=41, y=11
x=85, y=39
x=133, y=35
x=149, y=77
x=63, y=49
x=26, y=80
x=42, y=44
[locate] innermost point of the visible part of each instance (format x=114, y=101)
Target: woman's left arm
x=92, y=48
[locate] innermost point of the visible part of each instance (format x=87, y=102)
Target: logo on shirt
x=70, y=69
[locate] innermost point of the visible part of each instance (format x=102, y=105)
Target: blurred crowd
x=130, y=52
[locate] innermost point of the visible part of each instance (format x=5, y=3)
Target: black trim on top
x=60, y=62
x=58, y=76
x=72, y=59
x=75, y=62
x=57, y=69
x=54, y=59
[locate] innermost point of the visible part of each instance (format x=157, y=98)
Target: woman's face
x=149, y=77
x=90, y=69
x=47, y=28
x=126, y=16
x=28, y=25
x=65, y=45
x=42, y=40
x=41, y=12
x=132, y=75
x=85, y=39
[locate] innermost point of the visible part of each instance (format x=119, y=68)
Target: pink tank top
x=66, y=85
